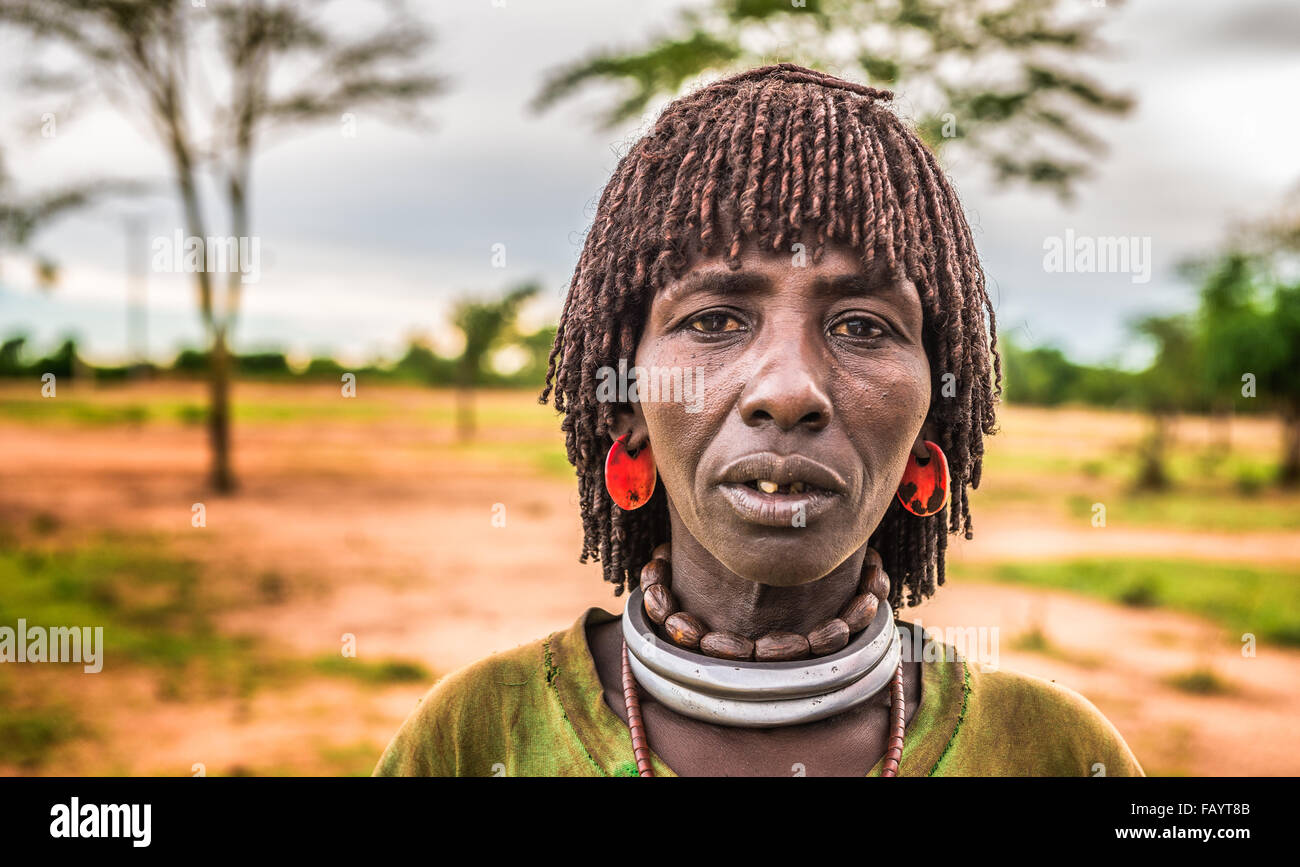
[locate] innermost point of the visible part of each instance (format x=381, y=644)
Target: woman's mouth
x=768, y=486
x=772, y=504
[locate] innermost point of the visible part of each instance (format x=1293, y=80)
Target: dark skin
x=823, y=360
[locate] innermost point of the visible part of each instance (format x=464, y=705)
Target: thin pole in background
x=137, y=316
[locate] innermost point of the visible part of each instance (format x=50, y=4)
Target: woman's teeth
x=769, y=487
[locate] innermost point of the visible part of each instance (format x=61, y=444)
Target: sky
x=366, y=240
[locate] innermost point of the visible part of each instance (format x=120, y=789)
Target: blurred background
x=296, y=492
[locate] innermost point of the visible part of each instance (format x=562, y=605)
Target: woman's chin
x=777, y=553
x=786, y=560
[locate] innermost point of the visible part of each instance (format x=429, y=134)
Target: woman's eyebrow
x=855, y=284
x=716, y=283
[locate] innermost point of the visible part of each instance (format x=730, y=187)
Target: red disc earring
x=924, y=488
x=629, y=480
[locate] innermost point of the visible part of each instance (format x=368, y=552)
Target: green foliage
x=487, y=325
x=1001, y=77
x=1044, y=376
x=383, y=672
x=31, y=730
x=1262, y=601
x=262, y=364
x=11, y=356
x=1199, y=681
x=419, y=364
x=1034, y=640
x=324, y=367
x=147, y=603
x=1250, y=320
x=1175, y=380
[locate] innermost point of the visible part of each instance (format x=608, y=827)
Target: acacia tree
x=1004, y=78
x=22, y=216
x=213, y=84
x=1250, y=320
x=487, y=325
x=1173, y=383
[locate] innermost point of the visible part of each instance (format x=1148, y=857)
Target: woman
x=787, y=270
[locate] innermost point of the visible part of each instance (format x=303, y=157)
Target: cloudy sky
x=366, y=239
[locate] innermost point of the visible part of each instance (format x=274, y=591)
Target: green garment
x=539, y=710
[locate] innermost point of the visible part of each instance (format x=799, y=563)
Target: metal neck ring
x=750, y=681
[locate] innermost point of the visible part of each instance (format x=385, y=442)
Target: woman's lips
x=777, y=509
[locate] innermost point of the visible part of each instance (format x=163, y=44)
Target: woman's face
x=812, y=377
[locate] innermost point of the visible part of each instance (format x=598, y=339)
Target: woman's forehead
x=802, y=245
x=839, y=265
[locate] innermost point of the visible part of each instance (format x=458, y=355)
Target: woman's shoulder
x=498, y=716
x=1016, y=724
x=451, y=725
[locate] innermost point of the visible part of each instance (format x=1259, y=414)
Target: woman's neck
x=727, y=602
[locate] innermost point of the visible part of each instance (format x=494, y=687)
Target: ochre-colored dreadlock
x=788, y=150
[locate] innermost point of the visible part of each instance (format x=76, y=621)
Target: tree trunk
x=1221, y=441
x=1151, y=473
x=465, y=423
x=1289, y=474
x=223, y=479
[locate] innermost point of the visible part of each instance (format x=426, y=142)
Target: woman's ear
x=628, y=419
x=919, y=449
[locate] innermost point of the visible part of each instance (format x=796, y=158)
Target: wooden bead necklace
x=691, y=633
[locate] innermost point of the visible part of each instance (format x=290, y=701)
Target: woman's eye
x=715, y=323
x=858, y=326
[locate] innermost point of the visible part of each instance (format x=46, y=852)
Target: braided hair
x=792, y=153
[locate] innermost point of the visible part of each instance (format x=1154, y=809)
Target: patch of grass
x=547, y=457
x=1031, y=641
x=150, y=607
x=146, y=602
x=381, y=672
x=45, y=523
x=1034, y=640
x=191, y=414
x=1199, y=681
x=1234, y=494
x=1143, y=593
x=153, y=613
x=1223, y=508
x=272, y=587
x=77, y=411
x=1245, y=599
x=31, y=730
x=1093, y=469
x=29, y=735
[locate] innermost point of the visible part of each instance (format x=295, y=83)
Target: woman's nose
x=786, y=390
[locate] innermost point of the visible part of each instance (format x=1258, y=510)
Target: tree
x=1250, y=319
x=487, y=325
x=212, y=84
x=23, y=216
x=1227, y=320
x=1173, y=383
x=1040, y=376
x=1001, y=77
x=1282, y=367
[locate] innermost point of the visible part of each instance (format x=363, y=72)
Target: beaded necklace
x=689, y=632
